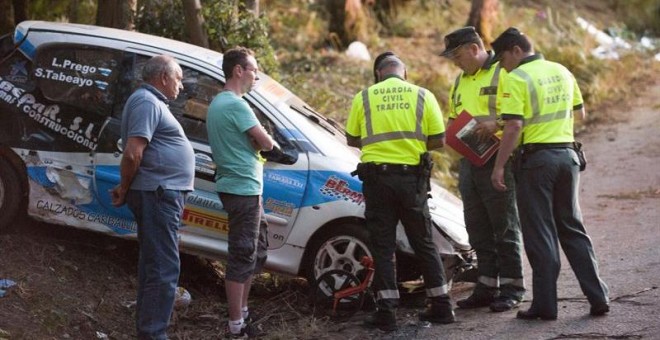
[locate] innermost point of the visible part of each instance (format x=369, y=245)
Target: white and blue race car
x=62, y=90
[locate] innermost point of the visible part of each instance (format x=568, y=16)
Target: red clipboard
x=462, y=138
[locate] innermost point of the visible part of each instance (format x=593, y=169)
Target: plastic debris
x=358, y=50
x=4, y=285
x=4, y=334
x=608, y=46
x=182, y=298
x=647, y=43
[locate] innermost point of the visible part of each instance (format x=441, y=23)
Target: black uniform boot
x=383, y=319
x=480, y=297
x=438, y=311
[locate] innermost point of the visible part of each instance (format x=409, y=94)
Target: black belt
x=531, y=147
x=396, y=168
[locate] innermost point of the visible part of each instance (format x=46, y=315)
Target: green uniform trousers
x=491, y=219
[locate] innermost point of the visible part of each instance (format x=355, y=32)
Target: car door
x=203, y=214
x=67, y=95
x=204, y=221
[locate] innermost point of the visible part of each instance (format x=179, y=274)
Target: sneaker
x=502, y=304
x=438, y=314
x=247, y=332
x=384, y=320
x=476, y=301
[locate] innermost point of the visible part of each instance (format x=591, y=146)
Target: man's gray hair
x=158, y=65
x=389, y=61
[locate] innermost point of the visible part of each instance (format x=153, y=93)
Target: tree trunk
x=116, y=13
x=73, y=10
x=483, y=15
x=252, y=6
x=6, y=17
x=20, y=10
x=192, y=10
x=347, y=22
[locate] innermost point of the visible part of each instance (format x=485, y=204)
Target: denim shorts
x=248, y=236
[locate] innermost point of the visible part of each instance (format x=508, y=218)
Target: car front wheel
x=338, y=248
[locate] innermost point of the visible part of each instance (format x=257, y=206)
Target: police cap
x=508, y=39
x=458, y=38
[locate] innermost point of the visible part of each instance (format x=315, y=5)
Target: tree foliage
x=642, y=16
x=78, y=11
x=6, y=17
x=230, y=24
x=116, y=14
x=161, y=17
x=227, y=24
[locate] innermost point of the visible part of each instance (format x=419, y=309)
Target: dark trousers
x=550, y=214
x=248, y=236
x=492, y=222
x=390, y=198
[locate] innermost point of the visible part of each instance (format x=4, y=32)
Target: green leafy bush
x=227, y=26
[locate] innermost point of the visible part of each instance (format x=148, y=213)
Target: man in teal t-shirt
x=236, y=137
x=239, y=166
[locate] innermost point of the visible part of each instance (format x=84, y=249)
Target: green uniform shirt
x=393, y=119
x=544, y=95
x=477, y=93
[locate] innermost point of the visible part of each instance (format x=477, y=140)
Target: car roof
x=266, y=86
x=177, y=48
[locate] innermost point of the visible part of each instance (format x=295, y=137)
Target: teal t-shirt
x=239, y=167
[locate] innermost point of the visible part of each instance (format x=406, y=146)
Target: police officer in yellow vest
x=491, y=216
x=539, y=101
x=395, y=123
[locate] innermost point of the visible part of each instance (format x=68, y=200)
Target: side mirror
x=278, y=155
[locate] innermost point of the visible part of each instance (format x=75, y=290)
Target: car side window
x=6, y=45
x=190, y=106
x=81, y=76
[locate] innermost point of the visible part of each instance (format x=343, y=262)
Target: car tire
x=10, y=194
x=330, y=251
x=339, y=247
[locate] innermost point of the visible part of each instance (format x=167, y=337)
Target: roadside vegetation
x=313, y=67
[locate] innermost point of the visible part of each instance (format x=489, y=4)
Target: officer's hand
x=497, y=179
x=485, y=130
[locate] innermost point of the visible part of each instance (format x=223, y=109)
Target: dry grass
x=328, y=80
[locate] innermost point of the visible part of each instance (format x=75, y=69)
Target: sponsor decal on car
x=338, y=188
x=203, y=219
x=47, y=115
x=279, y=207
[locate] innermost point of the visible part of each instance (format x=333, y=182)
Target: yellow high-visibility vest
x=393, y=120
x=545, y=94
x=477, y=93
